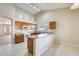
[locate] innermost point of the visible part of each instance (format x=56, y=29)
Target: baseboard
x=71, y=44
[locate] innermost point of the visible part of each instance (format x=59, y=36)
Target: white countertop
x=39, y=35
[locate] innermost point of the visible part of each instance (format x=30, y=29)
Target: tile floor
x=58, y=49
x=13, y=50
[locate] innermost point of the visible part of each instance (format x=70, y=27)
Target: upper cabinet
x=52, y=25
x=19, y=24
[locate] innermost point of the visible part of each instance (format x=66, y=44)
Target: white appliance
x=27, y=30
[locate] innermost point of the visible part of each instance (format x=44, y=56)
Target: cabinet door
x=52, y=25
x=19, y=38
x=19, y=24
x=30, y=45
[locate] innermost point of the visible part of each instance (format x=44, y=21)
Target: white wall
x=20, y=12
x=67, y=23
x=7, y=10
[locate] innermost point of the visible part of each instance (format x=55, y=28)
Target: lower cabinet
x=30, y=45
x=43, y=43
x=19, y=38
x=37, y=46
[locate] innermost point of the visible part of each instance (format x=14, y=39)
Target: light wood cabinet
x=19, y=38
x=19, y=24
x=52, y=25
x=30, y=45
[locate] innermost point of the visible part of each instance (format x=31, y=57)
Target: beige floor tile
x=61, y=50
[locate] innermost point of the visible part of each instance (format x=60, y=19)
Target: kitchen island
x=38, y=43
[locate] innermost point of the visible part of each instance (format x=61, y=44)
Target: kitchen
x=31, y=34
x=24, y=37
x=32, y=30
x=27, y=31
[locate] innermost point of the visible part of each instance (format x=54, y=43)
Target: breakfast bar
x=38, y=43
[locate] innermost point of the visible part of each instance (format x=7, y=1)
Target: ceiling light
x=75, y=6
x=34, y=7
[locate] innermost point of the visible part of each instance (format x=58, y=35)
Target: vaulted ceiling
x=30, y=7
